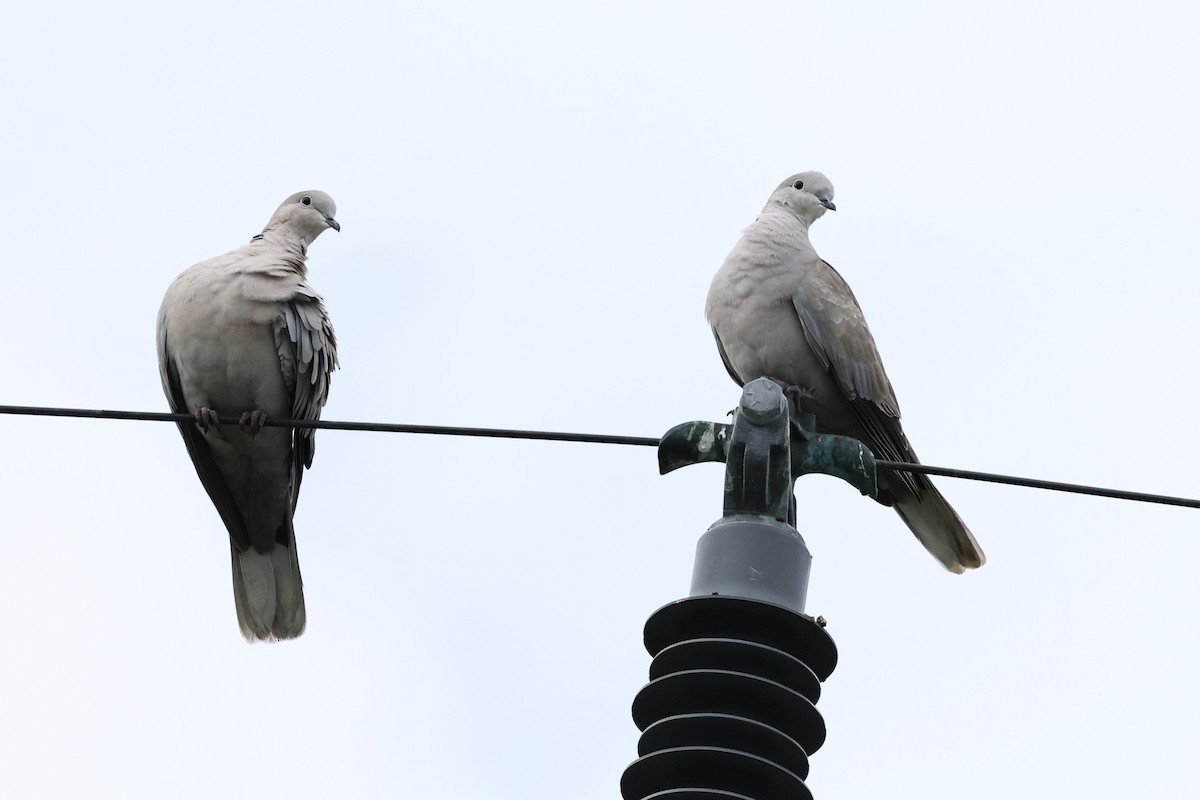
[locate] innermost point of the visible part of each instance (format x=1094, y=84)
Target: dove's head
x=807, y=195
x=307, y=214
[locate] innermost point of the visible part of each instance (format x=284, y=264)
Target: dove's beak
x=825, y=201
x=333, y=223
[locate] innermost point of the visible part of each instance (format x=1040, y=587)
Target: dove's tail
x=268, y=592
x=937, y=526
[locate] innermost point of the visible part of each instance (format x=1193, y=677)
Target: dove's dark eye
x=798, y=185
x=306, y=201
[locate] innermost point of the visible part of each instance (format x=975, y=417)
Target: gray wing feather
x=307, y=355
x=206, y=468
x=725, y=360
x=837, y=332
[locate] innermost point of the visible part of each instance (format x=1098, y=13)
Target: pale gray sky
x=534, y=198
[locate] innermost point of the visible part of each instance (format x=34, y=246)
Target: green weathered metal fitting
x=693, y=443
x=839, y=456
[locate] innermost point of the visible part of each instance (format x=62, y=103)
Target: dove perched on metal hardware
x=244, y=335
x=778, y=310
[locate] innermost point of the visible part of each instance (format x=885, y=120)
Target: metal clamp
x=766, y=448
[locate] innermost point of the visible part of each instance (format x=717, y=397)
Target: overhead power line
x=379, y=427
x=1036, y=483
x=587, y=438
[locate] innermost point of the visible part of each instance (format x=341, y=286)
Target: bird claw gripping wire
x=766, y=448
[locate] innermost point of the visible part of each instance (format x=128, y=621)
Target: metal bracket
x=766, y=448
x=729, y=709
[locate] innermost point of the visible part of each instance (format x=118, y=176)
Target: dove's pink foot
x=207, y=419
x=253, y=421
x=796, y=393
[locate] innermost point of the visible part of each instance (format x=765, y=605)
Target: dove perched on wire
x=244, y=335
x=778, y=310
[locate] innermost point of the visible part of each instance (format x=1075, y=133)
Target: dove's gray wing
x=193, y=439
x=307, y=357
x=725, y=360
x=837, y=333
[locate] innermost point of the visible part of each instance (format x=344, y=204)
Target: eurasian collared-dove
x=778, y=310
x=244, y=334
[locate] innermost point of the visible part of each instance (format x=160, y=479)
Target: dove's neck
x=779, y=229
x=284, y=238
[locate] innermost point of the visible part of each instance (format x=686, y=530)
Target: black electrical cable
x=1036, y=483
x=588, y=438
x=382, y=427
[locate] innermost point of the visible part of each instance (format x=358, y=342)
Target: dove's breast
x=750, y=309
x=223, y=346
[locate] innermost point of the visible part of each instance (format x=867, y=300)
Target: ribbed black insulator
x=729, y=711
